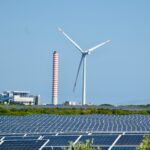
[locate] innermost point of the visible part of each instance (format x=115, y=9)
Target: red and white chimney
x=55, y=79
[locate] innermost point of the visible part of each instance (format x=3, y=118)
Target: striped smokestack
x=55, y=79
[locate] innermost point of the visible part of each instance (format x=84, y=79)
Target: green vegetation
x=106, y=105
x=82, y=146
x=145, y=145
x=69, y=111
x=139, y=106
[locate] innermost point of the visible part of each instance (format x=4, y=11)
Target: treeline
x=69, y=111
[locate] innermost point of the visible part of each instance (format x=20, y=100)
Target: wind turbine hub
x=86, y=53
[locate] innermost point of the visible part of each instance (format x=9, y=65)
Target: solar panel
x=130, y=140
x=138, y=133
x=41, y=134
x=21, y=137
x=99, y=140
x=61, y=148
x=2, y=135
x=53, y=148
x=74, y=133
x=101, y=148
x=123, y=148
x=104, y=133
x=22, y=145
x=60, y=140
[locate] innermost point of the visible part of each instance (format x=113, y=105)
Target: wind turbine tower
x=84, y=53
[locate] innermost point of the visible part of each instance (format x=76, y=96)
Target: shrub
x=145, y=145
x=82, y=146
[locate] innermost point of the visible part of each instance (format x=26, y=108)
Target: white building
x=20, y=97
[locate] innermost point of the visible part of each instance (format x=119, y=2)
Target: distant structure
x=69, y=103
x=55, y=79
x=19, y=97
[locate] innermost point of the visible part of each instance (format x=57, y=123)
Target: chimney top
x=55, y=52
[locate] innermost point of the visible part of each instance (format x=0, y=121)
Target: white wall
x=19, y=99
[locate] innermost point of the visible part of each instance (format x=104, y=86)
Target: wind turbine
x=83, y=59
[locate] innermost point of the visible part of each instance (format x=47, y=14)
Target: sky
x=117, y=73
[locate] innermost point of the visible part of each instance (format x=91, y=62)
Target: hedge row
x=69, y=111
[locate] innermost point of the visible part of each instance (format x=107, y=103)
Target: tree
x=145, y=145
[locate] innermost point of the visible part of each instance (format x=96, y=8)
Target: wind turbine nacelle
x=86, y=52
x=89, y=52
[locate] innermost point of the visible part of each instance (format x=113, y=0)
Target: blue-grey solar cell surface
x=60, y=140
x=130, y=140
x=43, y=132
x=52, y=148
x=123, y=148
x=22, y=145
x=99, y=139
x=19, y=138
x=74, y=123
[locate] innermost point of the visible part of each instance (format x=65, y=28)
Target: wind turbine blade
x=73, y=42
x=78, y=73
x=97, y=46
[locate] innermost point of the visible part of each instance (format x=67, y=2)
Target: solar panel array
x=121, y=141
x=43, y=132
x=74, y=123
